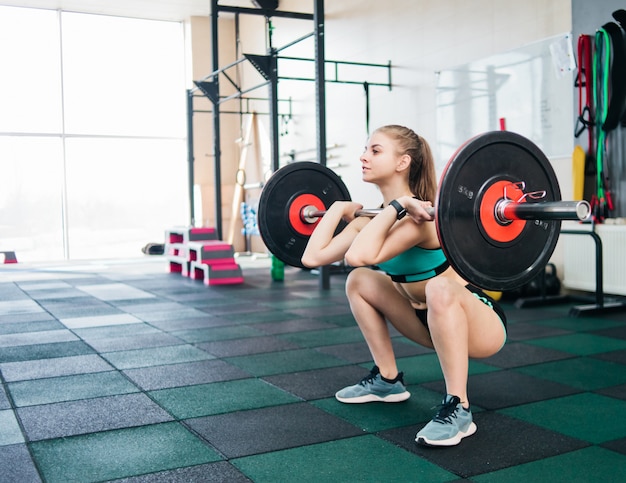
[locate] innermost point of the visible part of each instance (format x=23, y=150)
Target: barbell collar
x=507, y=211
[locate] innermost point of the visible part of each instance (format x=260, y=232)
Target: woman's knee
x=441, y=292
x=357, y=281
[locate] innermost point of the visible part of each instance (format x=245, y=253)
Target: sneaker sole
x=447, y=442
x=391, y=398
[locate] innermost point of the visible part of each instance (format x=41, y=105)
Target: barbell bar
x=506, y=211
x=497, y=212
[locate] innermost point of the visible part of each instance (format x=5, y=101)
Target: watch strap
x=399, y=208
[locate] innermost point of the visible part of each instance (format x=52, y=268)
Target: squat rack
x=267, y=66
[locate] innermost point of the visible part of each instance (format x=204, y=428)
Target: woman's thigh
x=376, y=289
x=452, y=305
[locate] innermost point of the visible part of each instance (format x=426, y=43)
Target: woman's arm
x=323, y=248
x=386, y=236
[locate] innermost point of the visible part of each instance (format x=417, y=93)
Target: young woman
x=403, y=278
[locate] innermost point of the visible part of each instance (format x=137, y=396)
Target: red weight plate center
x=296, y=219
x=494, y=229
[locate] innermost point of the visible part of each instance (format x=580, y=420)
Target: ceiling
x=176, y=10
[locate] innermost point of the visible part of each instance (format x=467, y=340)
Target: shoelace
x=446, y=412
x=369, y=379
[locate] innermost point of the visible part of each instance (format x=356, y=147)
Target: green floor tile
x=44, y=351
x=583, y=373
x=10, y=432
x=580, y=344
x=426, y=368
x=284, y=362
x=344, y=320
x=381, y=416
x=360, y=459
x=294, y=303
x=579, y=324
x=156, y=356
x=589, y=417
x=213, y=334
x=584, y=466
x=220, y=397
x=70, y=388
x=420, y=369
x=319, y=338
x=120, y=453
x=257, y=317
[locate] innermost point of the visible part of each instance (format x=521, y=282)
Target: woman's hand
x=347, y=209
x=418, y=210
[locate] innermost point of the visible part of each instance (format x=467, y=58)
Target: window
x=92, y=134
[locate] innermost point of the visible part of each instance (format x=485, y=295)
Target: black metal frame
x=267, y=66
x=599, y=306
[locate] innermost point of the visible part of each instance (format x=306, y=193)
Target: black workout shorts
x=422, y=314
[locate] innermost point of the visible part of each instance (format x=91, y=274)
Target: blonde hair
x=422, y=176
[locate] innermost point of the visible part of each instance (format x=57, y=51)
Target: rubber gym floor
x=122, y=371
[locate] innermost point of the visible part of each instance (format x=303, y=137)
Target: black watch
x=399, y=208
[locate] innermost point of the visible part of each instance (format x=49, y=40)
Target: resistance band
x=601, y=71
x=584, y=82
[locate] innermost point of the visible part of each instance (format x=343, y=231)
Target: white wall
x=419, y=38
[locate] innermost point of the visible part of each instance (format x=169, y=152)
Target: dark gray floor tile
x=618, y=445
x=61, y=420
x=174, y=324
x=293, y=325
x=89, y=334
x=496, y=390
x=250, y=345
x=613, y=356
x=318, y=384
x=184, y=374
x=521, y=331
x=618, y=392
x=220, y=472
x=157, y=339
x=16, y=465
x=271, y=429
x=60, y=366
x=614, y=332
x=500, y=442
x=516, y=354
x=4, y=400
x=359, y=353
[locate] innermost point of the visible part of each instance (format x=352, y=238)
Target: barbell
x=497, y=212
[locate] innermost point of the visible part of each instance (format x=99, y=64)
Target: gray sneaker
x=373, y=389
x=450, y=425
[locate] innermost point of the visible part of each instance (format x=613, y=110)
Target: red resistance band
x=584, y=81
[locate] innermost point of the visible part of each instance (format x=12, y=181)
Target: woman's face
x=379, y=160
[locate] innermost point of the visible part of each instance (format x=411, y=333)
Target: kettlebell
x=552, y=282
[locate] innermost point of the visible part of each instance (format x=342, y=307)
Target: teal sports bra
x=415, y=264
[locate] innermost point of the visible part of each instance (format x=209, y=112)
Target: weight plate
x=286, y=190
x=501, y=259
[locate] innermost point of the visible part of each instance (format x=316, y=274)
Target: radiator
x=579, y=260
